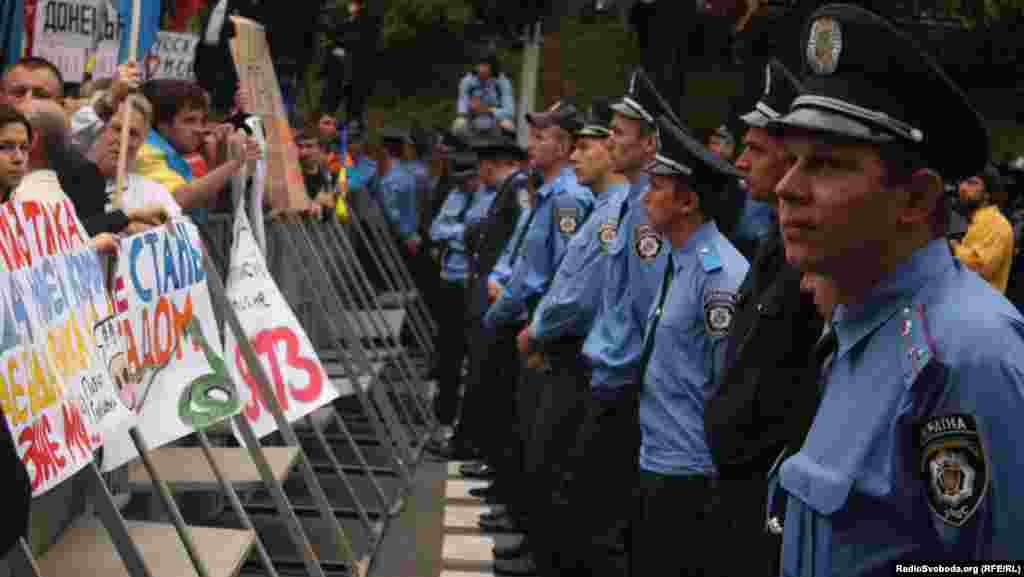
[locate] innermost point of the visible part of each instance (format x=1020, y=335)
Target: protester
x=140, y=195
x=179, y=114
x=916, y=392
x=322, y=185
x=15, y=146
x=987, y=249
x=485, y=100
x=88, y=122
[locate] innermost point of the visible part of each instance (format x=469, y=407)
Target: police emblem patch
x=824, y=45
x=719, y=311
x=607, y=232
x=567, y=221
x=646, y=242
x=954, y=465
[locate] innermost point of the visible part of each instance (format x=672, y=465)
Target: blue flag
x=12, y=17
x=149, y=25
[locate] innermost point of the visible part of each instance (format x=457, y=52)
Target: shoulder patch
x=918, y=347
x=719, y=312
x=646, y=242
x=568, y=220
x=954, y=465
x=709, y=258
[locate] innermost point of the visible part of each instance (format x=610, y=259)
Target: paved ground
x=436, y=535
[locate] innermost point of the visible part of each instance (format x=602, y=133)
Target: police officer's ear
x=926, y=193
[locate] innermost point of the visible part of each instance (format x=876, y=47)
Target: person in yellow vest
x=987, y=248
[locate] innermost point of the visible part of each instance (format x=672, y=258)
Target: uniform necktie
x=824, y=352
x=522, y=235
x=649, y=344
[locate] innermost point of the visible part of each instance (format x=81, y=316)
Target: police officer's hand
x=524, y=340
x=493, y=290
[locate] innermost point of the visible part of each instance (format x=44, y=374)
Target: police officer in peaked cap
x=633, y=263
x=914, y=449
x=683, y=354
x=749, y=418
x=554, y=338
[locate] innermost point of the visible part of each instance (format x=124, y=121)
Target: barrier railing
x=366, y=444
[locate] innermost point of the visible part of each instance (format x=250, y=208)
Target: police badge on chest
x=567, y=220
x=646, y=242
x=954, y=465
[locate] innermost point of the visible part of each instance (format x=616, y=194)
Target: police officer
x=914, y=449
x=749, y=419
x=396, y=190
x=556, y=332
x=556, y=211
x=476, y=434
x=466, y=204
x=605, y=471
x=684, y=351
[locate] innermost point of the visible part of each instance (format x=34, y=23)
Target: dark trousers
x=451, y=346
x=601, y=492
x=488, y=409
x=740, y=508
x=672, y=531
x=561, y=404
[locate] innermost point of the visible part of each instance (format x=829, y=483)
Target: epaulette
x=918, y=345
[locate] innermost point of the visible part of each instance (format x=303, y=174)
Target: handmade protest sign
x=286, y=188
x=299, y=380
x=176, y=379
x=66, y=30
x=54, y=390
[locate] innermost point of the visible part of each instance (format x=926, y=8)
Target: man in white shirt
x=140, y=194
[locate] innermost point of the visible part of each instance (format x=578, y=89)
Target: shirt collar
x=557, y=182
x=853, y=323
x=639, y=186
x=704, y=235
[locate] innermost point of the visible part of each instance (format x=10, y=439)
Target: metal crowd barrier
x=302, y=495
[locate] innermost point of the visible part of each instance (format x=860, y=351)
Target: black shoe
x=483, y=492
x=518, y=548
x=519, y=566
x=502, y=524
x=478, y=471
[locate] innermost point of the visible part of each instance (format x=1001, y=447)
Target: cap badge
x=824, y=46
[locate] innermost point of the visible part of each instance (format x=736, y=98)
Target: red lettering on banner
x=51, y=245
x=8, y=242
x=73, y=231
x=131, y=351
x=32, y=212
x=265, y=344
x=62, y=235
x=42, y=452
x=21, y=243
x=74, y=431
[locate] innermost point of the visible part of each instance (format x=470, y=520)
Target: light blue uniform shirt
x=361, y=174
x=561, y=207
x=568, y=309
x=397, y=195
x=634, y=266
x=688, y=353
x=931, y=348
x=450, y=227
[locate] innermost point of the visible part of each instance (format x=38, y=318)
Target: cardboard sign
x=66, y=31
x=286, y=189
x=173, y=56
x=50, y=282
x=300, y=382
x=176, y=378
